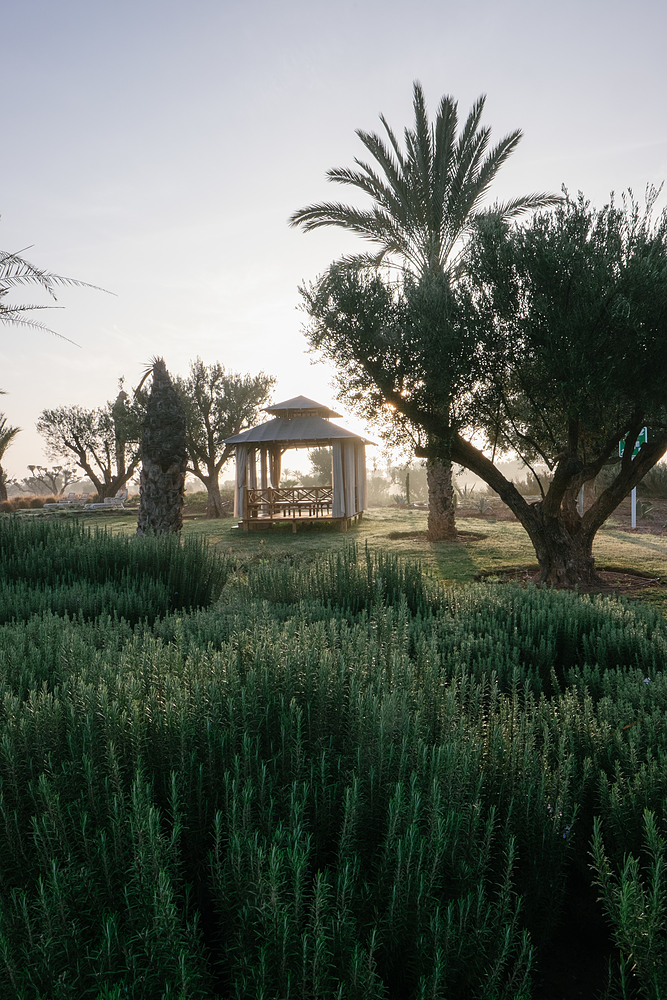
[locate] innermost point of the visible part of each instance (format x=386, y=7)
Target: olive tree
x=103, y=441
x=218, y=404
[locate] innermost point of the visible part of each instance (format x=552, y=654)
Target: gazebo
x=259, y=499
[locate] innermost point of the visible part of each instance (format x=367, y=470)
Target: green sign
x=642, y=439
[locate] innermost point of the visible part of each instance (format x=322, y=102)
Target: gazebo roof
x=300, y=406
x=300, y=422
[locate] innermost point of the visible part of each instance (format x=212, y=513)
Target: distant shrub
x=531, y=487
x=654, y=484
x=195, y=499
x=528, y=487
x=22, y=502
x=377, y=491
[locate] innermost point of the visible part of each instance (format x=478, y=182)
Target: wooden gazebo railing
x=292, y=501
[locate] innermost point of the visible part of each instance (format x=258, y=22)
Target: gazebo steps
x=266, y=521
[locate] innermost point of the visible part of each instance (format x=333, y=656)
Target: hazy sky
x=158, y=148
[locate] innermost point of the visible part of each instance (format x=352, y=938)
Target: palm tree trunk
x=441, y=515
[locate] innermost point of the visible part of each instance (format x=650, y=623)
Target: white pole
x=580, y=502
x=633, y=522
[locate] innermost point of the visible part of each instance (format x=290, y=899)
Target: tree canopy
x=427, y=200
x=103, y=441
x=218, y=404
x=555, y=349
x=428, y=195
x=49, y=482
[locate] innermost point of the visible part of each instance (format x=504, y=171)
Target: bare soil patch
x=614, y=581
x=470, y=536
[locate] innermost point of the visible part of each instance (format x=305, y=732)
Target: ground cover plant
x=490, y=542
x=321, y=777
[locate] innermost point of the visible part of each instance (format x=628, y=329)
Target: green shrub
x=67, y=568
x=337, y=779
x=274, y=774
x=636, y=907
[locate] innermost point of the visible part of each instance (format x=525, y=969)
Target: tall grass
x=336, y=780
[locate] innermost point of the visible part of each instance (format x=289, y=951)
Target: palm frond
x=396, y=171
x=13, y=315
x=496, y=158
x=398, y=152
x=528, y=203
x=443, y=153
x=392, y=198
x=7, y=434
x=419, y=142
x=15, y=270
x=372, y=225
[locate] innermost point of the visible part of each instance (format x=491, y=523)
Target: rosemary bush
x=636, y=908
x=339, y=779
x=67, y=568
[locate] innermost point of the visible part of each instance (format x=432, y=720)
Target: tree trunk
x=3, y=485
x=441, y=516
x=565, y=558
x=161, y=507
x=563, y=541
x=214, y=508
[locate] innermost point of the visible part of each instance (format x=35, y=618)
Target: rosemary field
x=333, y=777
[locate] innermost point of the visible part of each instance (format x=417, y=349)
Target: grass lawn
x=490, y=545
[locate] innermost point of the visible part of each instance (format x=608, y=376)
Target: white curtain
x=361, y=475
x=252, y=468
x=241, y=466
x=338, y=503
x=350, y=477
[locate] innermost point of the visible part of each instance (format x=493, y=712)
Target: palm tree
x=164, y=456
x=16, y=272
x=427, y=200
x=7, y=435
